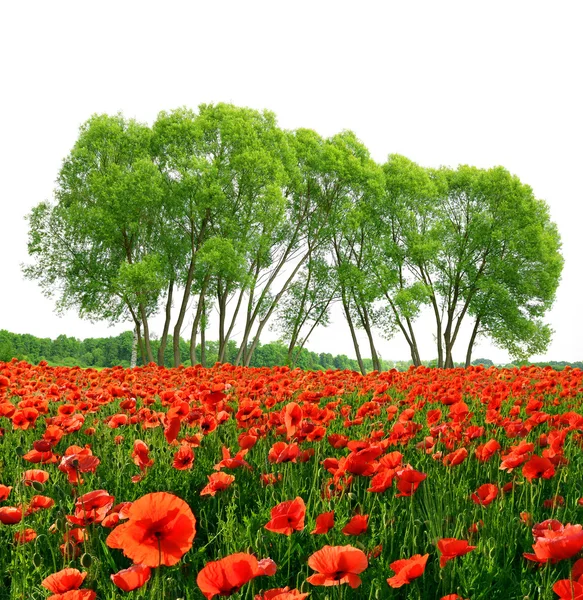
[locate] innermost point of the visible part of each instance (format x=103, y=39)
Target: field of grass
x=424, y=484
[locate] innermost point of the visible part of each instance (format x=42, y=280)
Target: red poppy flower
x=408, y=481
x=172, y=428
x=335, y=565
x=287, y=517
x=64, y=581
x=226, y=576
x=217, y=482
x=133, y=578
x=183, y=458
x=451, y=548
x=39, y=502
x=571, y=589
x=382, y=481
x=559, y=544
x=292, y=418
x=5, y=492
x=159, y=531
x=485, y=494
x=232, y=462
x=484, y=452
x=567, y=589
x=336, y=440
x=25, y=536
x=141, y=455
x=554, y=501
x=247, y=440
x=32, y=475
x=281, y=452
x=455, y=458
x=407, y=569
x=10, y=515
x=270, y=478
x=91, y=507
x=356, y=526
x=538, y=467
x=324, y=523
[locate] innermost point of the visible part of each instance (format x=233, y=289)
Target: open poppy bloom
x=287, y=517
x=485, y=494
x=217, y=482
x=451, y=548
x=232, y=462
x=408, y=480
x=91, y=507
x=281, y=452
x=292, y=418
x=10, y=515
x=228, y=575
x=184, y=458
x=133, y=578
x=324, y=523
x=357, y=525
x=64, y=581
x=571, y=589
x=538, y=467
x=455, y=458
x=159, y=531
x=557, y=544
x=4, y=492
x=141, y=455
x=32, y=475
x=336, y=565
x=407, y=569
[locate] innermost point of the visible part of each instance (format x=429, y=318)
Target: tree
x=92, y=247
x=222, y=169
x=469, y=241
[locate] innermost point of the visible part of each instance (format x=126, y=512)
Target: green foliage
x=271, y=226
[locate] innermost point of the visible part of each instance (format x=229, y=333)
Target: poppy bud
x=37, y=560
x=19, y=451
x=86, y=560
x=38, y=486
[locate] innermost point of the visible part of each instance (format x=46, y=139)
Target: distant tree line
x=114, y=351
x=221, y=210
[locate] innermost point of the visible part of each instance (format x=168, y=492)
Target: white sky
x=444, y=83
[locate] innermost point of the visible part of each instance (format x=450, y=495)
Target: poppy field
x=279, y=484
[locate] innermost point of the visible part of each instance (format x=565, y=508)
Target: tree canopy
x=221, y=212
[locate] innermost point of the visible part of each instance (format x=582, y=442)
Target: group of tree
x=117, y=351
x=221, y=210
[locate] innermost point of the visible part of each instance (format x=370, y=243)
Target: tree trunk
x=203, y=335
x=274, y=302
x=134, y=358
x=353, y=333
x=164, y=338
x=409, y=337
x=376, y=363
x=471, y=343
x=197, y=318
x=141, y=344
x=223, y=350
x=182, y=313
x=149, y=353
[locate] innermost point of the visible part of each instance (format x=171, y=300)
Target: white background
x=444, y=83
